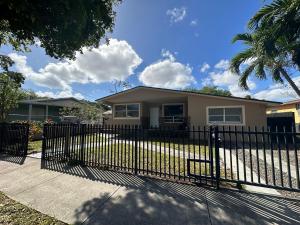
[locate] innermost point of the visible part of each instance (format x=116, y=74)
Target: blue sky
x=161, y=43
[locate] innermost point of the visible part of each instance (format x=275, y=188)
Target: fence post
x=67, y=140
x=26, y=140
x=135, y=151
x=217, y=155
x=44, y=142
x=82, y=140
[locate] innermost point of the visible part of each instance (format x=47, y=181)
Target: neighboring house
x=42, y=109
x=286, y=114
x=157, y=107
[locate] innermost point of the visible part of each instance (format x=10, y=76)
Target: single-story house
x=41, y=109
x=286, y=114
x=157, y=107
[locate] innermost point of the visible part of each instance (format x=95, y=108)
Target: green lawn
x=155, y=161
x=34, y=146
x=12, y=212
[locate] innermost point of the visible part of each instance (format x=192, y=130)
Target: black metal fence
x=198, y=154
x=14, y=139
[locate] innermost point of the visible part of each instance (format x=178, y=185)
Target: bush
x=35, y=129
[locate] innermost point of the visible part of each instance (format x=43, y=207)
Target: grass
x=12, y=212
x=34, y=146
x=157, y=163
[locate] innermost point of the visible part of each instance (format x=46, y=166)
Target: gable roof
x=187, y=93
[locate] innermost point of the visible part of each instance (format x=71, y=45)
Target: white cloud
x=279, y=92
x=116, y=61
x=167, y=73
x=204, y=67
x=176, y=14
x=224, y=78
x=222, y=64
x=167, y=54
x=194, y=22
x=60, y=94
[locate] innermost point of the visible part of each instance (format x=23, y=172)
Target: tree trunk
x=290, y=81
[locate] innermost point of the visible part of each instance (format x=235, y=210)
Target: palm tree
x=282, y=18
x=261, y=56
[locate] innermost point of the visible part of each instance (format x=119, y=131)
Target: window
x=225, y=115
x=173, y=113
x=127, y=111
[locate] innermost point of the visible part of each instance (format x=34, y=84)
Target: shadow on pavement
x=13, y=159
x=152, y=201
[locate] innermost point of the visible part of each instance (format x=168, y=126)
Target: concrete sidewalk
x=85, y=195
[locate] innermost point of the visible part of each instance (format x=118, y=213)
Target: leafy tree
x=84, y=112
x=10, y=93
x=214, y=90
x=273, y=44
x=62, y=26
x=119, y=85
x=28, y=94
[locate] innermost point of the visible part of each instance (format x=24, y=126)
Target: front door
x=154, y=117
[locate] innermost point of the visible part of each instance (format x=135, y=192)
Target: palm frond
x=268, y=12
x=245, y=75
x=246, y=37
x=276, y=76
x=260, y=71
x=240, y=58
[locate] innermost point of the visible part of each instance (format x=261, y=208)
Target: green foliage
x=213, y=90
x=9, y=95
x=62, y=26
x=273, y=44
x=84, y=112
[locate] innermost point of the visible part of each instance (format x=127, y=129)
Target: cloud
x=116, y=61
x=279, y=92
x=204, y=67
x=176, y=14
x=59, y=94
x=167, y=73
x=194, y=23
x=222, y=64
x=224, y=78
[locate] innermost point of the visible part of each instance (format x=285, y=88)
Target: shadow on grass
x=12, y=159
x=142, y=200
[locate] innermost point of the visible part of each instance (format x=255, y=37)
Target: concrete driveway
x=89, y=196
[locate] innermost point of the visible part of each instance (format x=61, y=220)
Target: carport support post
x=217, y=156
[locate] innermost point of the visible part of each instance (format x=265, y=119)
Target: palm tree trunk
x=290, y=81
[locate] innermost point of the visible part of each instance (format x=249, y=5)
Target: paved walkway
x=90, y=196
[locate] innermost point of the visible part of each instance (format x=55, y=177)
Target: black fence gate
x=205, y=155
x=14, y=139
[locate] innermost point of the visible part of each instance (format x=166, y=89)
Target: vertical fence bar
x=257, y=155
x=287, y=157
x=217, y=157
x=294, y=140
x=136, y=169
x=279, y=156
x=265, y=157
x=82, y=141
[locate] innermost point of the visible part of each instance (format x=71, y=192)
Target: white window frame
x=130, y=118
x=243, y=123
x=166, y=104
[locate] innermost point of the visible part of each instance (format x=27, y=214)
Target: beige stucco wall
x=255, y=113
x=195, y=106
